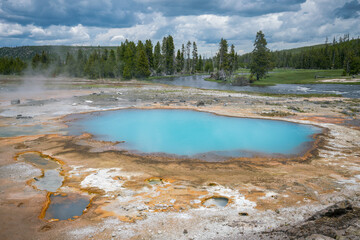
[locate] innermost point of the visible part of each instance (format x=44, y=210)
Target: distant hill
x=301, y=49
x=27, y=52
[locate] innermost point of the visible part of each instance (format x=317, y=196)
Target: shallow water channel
x=197, y=81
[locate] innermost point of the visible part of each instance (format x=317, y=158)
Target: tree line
x=10, y=65
x=129, y=60
x=341, y=53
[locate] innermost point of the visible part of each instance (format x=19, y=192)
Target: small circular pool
x=193, y=133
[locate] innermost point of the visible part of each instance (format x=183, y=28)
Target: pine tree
x=129, y=60
x=182, y=57
x=170, y=55
x=260, y=64
x=35, y=61
x=70, y=64
x=194, y=57
x=188, y=60
x=223, y=55
x=200, y=64
x=110, y=64
x=232, y=58
x=157, y=58
x=178, y=61
x=209, y=67
x=142, y=64
x=127, y=72
x=149, y=52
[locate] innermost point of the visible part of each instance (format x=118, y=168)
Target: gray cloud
x=67, y=12
x=349, y=10
x=286, y=23
x=112, y=13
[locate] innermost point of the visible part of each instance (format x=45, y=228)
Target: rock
x=243, y=214
x=318, y=237
x=335, y=210
x=240, y=81
x=19, y=116
x=338, y=221
x=15, y=101
x=200, y=103
x=141, y=208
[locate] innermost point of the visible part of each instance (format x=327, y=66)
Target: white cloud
x=11, y=29
x=310, y=23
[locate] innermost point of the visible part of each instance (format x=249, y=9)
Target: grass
x=293, y=95
x=299, y=76
x=172, y=76
x=281, y=95
x=295, y=76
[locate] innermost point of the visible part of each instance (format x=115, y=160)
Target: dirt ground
x=314, y=196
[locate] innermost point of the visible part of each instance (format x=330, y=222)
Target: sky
x=285, y=23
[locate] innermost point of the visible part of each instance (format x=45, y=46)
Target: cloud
x=349, y=10
x=286, y=23
x=222, y=7
x=38, y=35
x=112, y=13
x=45, y=13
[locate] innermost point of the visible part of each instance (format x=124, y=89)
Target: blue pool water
x=186, y=132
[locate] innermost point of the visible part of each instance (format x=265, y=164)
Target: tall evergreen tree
x=142, y=64
x=232, y=58
x=70, y=64
x=182, y=57
x=209, y=67
x=178, y=61
x=194, y=57
x=260, y=63
x=170, y=55
x=200, y=64
x=149, y=52
x=129, y=60
x=223, y=55
x=110, y=65
x=157, y=58
x=188, y=60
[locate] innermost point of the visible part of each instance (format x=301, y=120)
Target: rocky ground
x=161, y=197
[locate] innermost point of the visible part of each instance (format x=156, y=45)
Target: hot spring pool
x=191, y=133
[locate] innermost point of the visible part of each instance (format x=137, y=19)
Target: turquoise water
x=216, y=201
x=186, y=132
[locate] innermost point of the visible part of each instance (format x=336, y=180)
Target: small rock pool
x=193, y=133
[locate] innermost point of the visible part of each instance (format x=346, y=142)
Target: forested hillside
x=26, y=53
x=129, y=60
x=143, y=59
x=340, y=54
